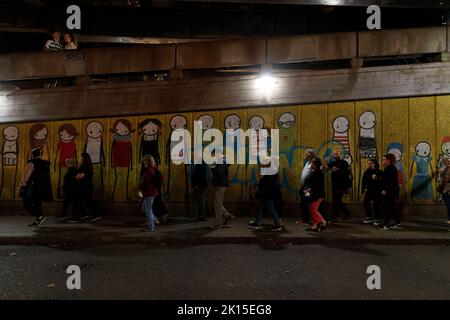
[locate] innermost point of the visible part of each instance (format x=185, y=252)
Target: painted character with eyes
x=151, y=130
x=39, y=139
x=94, y=147
x=66, y=149
x=422, y=182
x=445, y=149
x=10, y=153
x=286, y=124
x=176, y=123
x=341, y=125
x=122, y=150
x=367, y=144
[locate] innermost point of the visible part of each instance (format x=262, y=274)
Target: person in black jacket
x=340, y=183
x=69, y=188
x=390, y=192
x=36, y=186
x=268, y=190
x=314, y=194
x=371, y=188
x=199, y=185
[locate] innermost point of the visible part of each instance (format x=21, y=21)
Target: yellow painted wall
x=400, y=125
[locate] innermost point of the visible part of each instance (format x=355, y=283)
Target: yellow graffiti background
x=400, y=124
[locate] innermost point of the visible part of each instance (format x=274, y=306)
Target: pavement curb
x=75, y=241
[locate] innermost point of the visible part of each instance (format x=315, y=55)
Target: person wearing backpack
x=340, y=183
x=35, y=186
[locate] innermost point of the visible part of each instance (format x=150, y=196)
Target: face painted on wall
x=207, y=121
x=256, y=122
x=10, y=133
x=423, y=149
x=121, y=129
x=348, y=158
x=94, y=129
x=341, y=124
x=178, y=122
x=286, y=120
x=41, y=134
x=232, y=121
x=150, y=129
x=367, y=120
x=445, y=146
x=65, y=136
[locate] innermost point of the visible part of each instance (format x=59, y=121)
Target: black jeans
x=446, y=198
x=390, y=210
x=304, y=205
x=368, y=198
x=67, y=204
x=33, y=205
x=85, y=203
x=338, y=205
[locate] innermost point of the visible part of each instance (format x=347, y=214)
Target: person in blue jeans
x=148, y=190
x=267, y=190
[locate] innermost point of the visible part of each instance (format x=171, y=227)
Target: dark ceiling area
x=24, y=24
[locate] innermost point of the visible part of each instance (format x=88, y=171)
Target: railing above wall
x=224, y=53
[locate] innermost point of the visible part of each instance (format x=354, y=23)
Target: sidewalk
x=179, y=231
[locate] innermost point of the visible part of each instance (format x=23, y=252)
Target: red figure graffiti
x=122, y=150
x=66, y=149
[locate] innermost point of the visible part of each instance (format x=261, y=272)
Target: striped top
x=53, y=46
x=343, y=139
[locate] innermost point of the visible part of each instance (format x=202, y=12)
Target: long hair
x=37, y=143
x=125, y=122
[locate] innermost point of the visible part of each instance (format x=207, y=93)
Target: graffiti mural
x=94, y=146
x=10, y=154
x=422, y=181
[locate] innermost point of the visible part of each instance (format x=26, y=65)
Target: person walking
x=220, y=185
x=371, y=188
x=149, y=190
x=390, y=192
x=35, y=186
x=314, y=194
x=268, y=188
x=69, y=189
x=159, y=207
x=199, y=185
x=340, y=183
x=309, y=156
x=86, y=210
x=445, y=187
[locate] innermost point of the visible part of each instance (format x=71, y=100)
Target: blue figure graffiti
x=422, y=183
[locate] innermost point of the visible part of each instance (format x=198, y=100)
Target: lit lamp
x=265, y=84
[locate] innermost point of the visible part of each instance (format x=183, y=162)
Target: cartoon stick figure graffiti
x=39, y=139
x=257, y=123
x=177, y=122
x=396, y=149
x=445, y=149
x=150, y=130
x=286, y=121
x=367, y=145
x=341, y=125
x=66, y=149
x=233, y=122
x=422, y=182
x=122, y=150
x=94, y=147
x=10, y=154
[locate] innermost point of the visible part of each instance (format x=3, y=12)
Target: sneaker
x=253, y=225
x=397, y=226
x=276, y=228
x=376, y=223
x=74, y=221
x=34, y=223
x=384, y=228
x=41, y=220
x=96, y=219
x=368, y=221
x=63, y=218
x=150, y=229
x=215, y=226
x=156, y=221
x=85, y=218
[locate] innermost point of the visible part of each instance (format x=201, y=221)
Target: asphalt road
x=226, y=272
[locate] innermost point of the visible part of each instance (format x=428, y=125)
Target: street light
x=265, y=84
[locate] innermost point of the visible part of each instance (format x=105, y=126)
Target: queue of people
x=379, y=187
